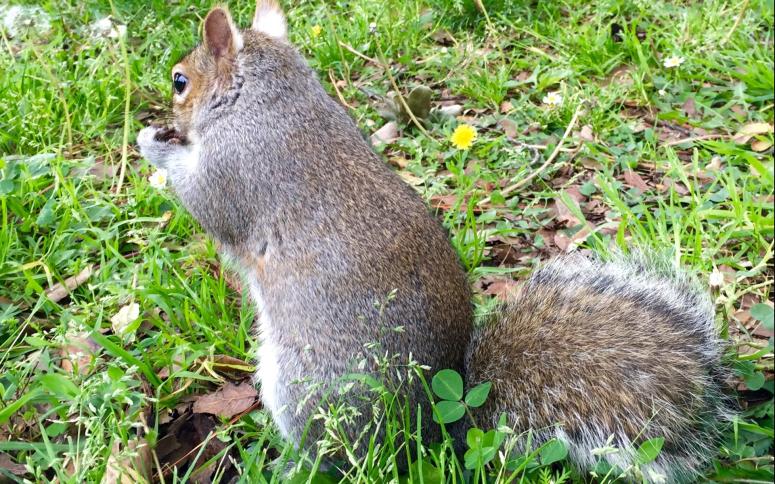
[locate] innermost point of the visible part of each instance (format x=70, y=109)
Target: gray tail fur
x=608, y=353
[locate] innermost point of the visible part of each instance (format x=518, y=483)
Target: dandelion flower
x=673, y=61
x=463, y=137
x=552, y=99
x=316, y=30
x=158, y=179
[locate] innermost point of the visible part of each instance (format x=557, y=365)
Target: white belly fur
x=268, y=363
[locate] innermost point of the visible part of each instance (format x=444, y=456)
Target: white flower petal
x=716, y=278
x=124, y=317
x=158, y=179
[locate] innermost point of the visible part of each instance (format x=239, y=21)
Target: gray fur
x=589, y=349
x=285, y=181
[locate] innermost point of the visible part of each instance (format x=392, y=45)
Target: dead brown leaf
x=8, y=464
x=410, y=178
x=591, y=164
x=562, y=241
x=443, y=37
x=742, y=316
x=634, y=180
x=564, y=215
x=690, y=107
x=582, y=235
x=227, y=401
x=509, y=127
x=59, y=291
x=501, y=288
x=135, y=469
x=497, y=286
x=78, y=352
x=760, y=145
x=506, y=107
x=231, y=367
x=386, y=134
x=750, y=130
x=443, y=202
x=574, y=191
x=180, y=447
x=586, y=133
x=679, y=187
x=100, y=170
x=398, y=161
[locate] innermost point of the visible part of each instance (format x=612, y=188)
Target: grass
x=652, y=162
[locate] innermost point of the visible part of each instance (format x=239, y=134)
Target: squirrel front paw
x=161, y=144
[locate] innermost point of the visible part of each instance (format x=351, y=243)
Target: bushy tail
x=605, y=354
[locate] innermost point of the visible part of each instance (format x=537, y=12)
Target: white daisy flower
x=673, y=61
x=158, y=179
x=553, y=99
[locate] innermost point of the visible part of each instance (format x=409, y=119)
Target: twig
x=127, y=117
x=696, y=138
x=737, y=22
x=381, y=63
x=59, y=291
x=548, y=161
x=336, y=88
x=393, y=82
x=362, y=56
x=480, y=6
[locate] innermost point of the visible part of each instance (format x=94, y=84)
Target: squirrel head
x=207, y=71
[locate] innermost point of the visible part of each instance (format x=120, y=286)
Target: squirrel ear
x=270, y=19
x=221, y=36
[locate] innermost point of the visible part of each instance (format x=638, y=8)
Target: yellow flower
x=316, y=30
x=463, y=137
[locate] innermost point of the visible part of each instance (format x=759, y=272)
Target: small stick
x=362, y=56
x=338, y=92
x=696, y=138
x=737, y=22
x=127, y=99
x=393, y=83
x=548, y=161
x=59, y=291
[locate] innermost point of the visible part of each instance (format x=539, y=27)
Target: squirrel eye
x=179, y=82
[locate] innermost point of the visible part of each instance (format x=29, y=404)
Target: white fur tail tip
x=270, y=20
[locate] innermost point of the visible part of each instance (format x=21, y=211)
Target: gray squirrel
x=594, y=353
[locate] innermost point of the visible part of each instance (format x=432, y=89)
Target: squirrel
x=591, y=352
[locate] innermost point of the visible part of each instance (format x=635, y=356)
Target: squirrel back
x=343, y=259
x=588, y=350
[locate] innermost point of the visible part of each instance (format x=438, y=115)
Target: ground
x=555, y=125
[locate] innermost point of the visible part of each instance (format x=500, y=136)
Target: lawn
x=126, y=345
